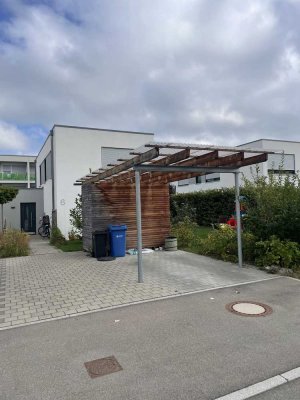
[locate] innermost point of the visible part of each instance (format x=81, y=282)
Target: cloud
x=12, y=139
x=187, y=70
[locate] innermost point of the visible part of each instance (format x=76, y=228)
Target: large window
x=281, y=163
x=215, y=177
x=183, y=182
x=46, y=169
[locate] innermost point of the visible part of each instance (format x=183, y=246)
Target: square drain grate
x=102, y=366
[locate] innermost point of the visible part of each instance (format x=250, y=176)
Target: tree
x=7, y=194
x=76, y=215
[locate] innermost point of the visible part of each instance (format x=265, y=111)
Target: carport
x=156, y=165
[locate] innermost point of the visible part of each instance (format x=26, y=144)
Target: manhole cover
x=249, y=308
x=102, y=366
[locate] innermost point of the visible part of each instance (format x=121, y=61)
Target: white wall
x=47, y=186
x=285, y=146
x=12, y=210
x=227, y=180
x=75, y=151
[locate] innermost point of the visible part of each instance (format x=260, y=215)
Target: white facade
x=289, y=160
x=18, y=171
x=71, y=152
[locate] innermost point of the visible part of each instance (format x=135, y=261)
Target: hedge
x=204, y=207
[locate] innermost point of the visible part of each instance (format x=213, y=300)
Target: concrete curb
x=263, y=386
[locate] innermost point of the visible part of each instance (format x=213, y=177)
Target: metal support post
x=139, y=225
x=238, y=217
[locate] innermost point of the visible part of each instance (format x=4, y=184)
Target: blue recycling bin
x=117, y=239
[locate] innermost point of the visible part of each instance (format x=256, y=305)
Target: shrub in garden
x=203, y=207
x=222, y=244
x=184, y=231
x=73, y=235
x=273, y=207
x=14, y=243
x=57, y=237
x=282, y=253
x=183, y=212
x=76, y=217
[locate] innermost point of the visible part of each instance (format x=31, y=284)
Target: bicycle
x=44, y=229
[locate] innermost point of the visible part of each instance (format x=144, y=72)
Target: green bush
x=273, y=208
x=57, y=238
x=282, y=253
x=76, y=217
x=13, y=243
x=203, y=207
x=73, y=235
x=222, y=243
x=185, y=232
x=183, y=212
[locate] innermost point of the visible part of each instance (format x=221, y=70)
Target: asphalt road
x=188, y=347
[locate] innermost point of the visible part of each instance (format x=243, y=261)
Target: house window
x=281, y=163
x=183, y=182
x=200, y=179
x=215, y=177
x=45, y=169
x=42, y=173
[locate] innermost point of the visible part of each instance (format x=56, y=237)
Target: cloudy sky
x=210, y=71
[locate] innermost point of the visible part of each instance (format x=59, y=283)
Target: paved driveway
x=51, y=284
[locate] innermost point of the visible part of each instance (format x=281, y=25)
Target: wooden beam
x=230, y=160
x=161, y=145
x=242, y=162
x=137, y=153
x=195, y=161
x=147, y=156
x=253, y=160
x=170, y=159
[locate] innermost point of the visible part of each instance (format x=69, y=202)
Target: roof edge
x=101, y=129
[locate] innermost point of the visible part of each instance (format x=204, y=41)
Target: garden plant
x=271, y=227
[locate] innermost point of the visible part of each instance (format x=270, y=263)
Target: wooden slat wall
x=115, y=204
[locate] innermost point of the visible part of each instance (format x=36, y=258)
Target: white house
x=18, y=171
x=69, y=152
x=288, y=161
x=45, y=181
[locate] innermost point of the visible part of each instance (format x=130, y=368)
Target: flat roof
x=270, y=140
x=101, y=129
x=18, y=155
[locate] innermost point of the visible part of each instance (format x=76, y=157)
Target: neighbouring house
x=68, y=152
x=19, y=172
x=287, y=160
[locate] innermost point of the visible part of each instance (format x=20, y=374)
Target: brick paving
x=50, y=284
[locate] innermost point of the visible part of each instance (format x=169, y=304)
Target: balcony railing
x=15, y=176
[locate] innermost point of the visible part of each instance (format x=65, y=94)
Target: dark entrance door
x=28, y=217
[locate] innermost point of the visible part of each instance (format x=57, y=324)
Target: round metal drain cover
x=249, y=308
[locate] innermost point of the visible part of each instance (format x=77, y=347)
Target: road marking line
x=263, y=386
x=172, y=296
x=292, y=374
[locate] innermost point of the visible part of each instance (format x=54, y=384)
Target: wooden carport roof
x=186, y=160
x=169, y=162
